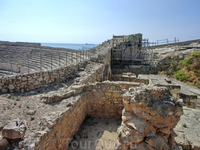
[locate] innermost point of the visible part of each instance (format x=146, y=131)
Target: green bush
x=181, y=76
x=184, y=125
x=186, y=61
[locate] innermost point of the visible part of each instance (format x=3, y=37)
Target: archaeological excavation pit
x=147, y=113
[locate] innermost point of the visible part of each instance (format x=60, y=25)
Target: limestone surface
x=188, y=130
x=148, y=118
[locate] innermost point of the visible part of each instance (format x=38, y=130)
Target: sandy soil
x=96, y=134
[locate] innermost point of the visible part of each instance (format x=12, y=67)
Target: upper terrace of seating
x=30, y=58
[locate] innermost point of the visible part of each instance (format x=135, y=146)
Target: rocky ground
x=35, y=113
x=96, y=133
x=187, y=129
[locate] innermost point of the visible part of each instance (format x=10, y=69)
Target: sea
x=85, y=46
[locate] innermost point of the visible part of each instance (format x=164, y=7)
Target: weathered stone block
x=154, y=114
x=3, y=142
x=14, y=130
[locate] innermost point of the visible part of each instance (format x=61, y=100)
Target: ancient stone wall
x=105, y=100
x=63, y=130
x=30, y=81
x=148, y=119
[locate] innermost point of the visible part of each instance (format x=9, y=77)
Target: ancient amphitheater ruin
x=49, y=94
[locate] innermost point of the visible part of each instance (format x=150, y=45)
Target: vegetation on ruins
x=135, y=36
x=187, y=70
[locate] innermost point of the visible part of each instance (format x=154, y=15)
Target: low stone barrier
x=30, y=81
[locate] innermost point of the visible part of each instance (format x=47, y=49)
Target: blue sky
x=94, y=21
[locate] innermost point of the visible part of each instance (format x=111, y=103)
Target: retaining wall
x=30, y=81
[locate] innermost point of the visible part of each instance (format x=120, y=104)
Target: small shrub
x=184, y=125
x=27, y=107
x=181, y=76
x=11, y=97
x=186, y=61
x=15, y=103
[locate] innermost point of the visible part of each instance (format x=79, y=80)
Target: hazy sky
x=94, y=21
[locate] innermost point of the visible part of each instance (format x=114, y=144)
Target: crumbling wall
x=63, y=129
x=148, y=119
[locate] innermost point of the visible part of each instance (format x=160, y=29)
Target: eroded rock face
x=14, y=130
x=148, y=118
